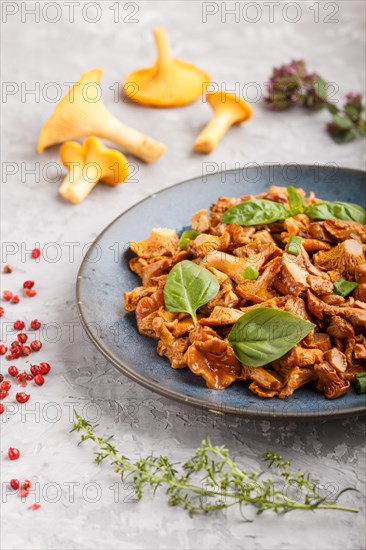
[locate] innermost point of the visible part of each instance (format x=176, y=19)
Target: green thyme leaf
x=321, y=86
x=342, y=122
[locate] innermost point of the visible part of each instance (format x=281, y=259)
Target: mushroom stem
x=164, y=51
x=77, y=186
x=131, y=140
x=212, y=133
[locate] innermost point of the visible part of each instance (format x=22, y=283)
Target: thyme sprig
x=212, y=480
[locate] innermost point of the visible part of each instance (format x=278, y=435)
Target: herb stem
x=223, y=485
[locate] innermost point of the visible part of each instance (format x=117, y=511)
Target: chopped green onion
x=250, y=273
x=294, y=245
x=187, y=236
x=360, y=382
x=343, y=287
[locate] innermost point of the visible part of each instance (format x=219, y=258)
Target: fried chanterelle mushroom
x=322, y=280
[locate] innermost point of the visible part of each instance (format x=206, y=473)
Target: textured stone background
x=35, y=53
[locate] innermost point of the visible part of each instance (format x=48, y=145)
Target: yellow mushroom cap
x=81, y=113
x=109, y=165
x=232, y=105
x=169, y=82
x=71, y=116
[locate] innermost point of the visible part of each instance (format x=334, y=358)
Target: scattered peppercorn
x=15, y=299
x=22, y=397
x=36, y=253
x=13, y=371
x=2, y=408
x=3, y=349
x=23, y=493
x=26, y=485
x=14, y=484
x=7, y=268
x=34, y=506
x=7, y=295
x=16, y=352
x=6, y=385
x=22, y=379
x=35, y=369
x=39, y=380
x=35, y=324
x=13, y=453
x=1, y=377
x=3, y=394
x=44, y=368
x=22, y=337
x=28, y=284
x=2, y=311
x=26, y=350
x=19, y=325
x=36, y=345
x=29, y=376
x=29, y=293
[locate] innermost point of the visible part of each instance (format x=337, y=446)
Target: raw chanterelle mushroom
x=170, y=82
x=229, y=110
x=88, y=164
x=75, y=116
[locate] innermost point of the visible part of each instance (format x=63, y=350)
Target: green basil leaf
x=343, y=287
x=187, y=236
x=255, y=212
x=296, y=201
x=343, y=211
x=188, y=287
x=264, y=334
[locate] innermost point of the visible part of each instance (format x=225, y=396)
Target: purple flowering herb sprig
x=349, y=121
x=292, y=85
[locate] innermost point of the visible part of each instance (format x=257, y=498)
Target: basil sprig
x=187, y=236
x=188, y=287
x=263, y=335
x=262, y=211
x=342, y=211
x=296, y=201
x=255, y=212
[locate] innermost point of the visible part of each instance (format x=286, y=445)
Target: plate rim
x=178, y=396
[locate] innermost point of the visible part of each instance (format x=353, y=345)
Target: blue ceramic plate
x=104, y=275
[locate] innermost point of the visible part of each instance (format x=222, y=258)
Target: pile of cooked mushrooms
x=170, y=82
x=302, y=270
